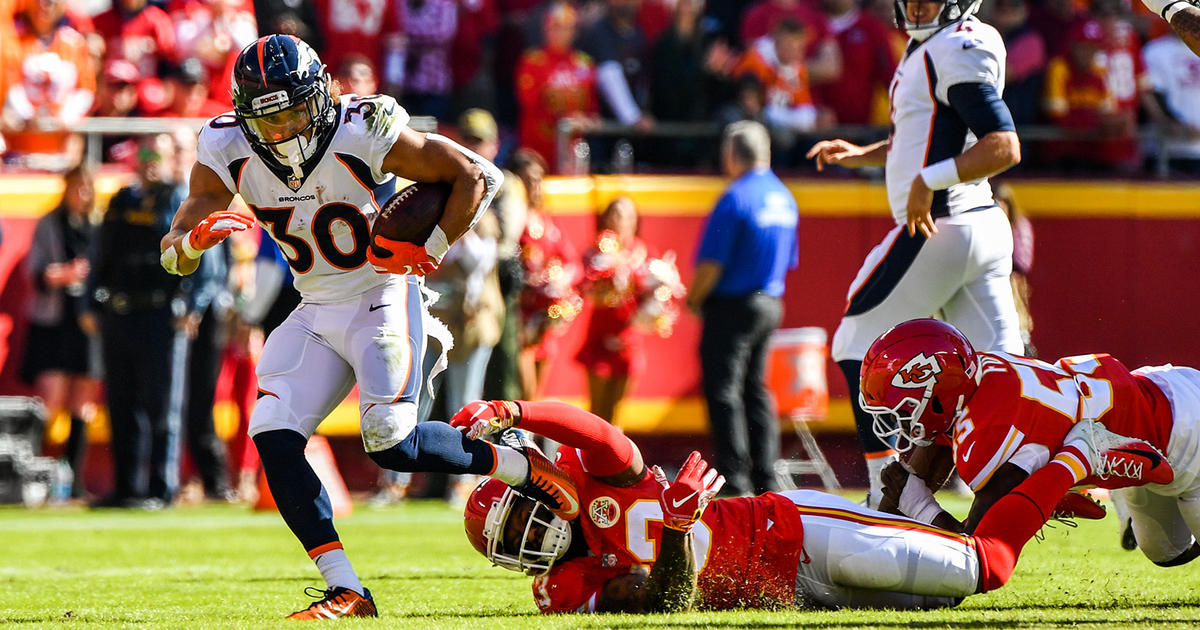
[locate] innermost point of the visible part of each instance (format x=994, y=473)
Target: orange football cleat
x=547, y=484
x=335, y=603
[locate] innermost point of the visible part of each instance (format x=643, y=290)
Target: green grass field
x=227, y=567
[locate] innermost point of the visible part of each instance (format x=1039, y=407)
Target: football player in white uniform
x=951, y=251
x=314, y=168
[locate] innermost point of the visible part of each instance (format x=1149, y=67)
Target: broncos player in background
x=800, y=547
x=999, y=418
x=314, y=168
x=950, y=132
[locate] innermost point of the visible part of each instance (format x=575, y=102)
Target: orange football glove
x=215, y=228
x=405, y=258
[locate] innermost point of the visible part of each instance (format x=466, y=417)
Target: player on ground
x=998, y=418
x=950, y=132
x=314, y=168
x=1183, y=16
x=800, y=547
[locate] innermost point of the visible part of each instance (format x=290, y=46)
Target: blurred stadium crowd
x=539, y=87
x=1082, y=75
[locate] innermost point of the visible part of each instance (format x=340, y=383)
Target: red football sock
x=1015, y=518
x=605, y=449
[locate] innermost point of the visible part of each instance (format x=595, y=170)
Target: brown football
x=411, y=214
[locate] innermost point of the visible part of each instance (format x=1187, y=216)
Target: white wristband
x=188, y=250
x=437, y=244
x=941, y=175
x=1173, y=8
x=917, y=502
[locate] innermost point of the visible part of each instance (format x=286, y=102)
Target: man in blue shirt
x=748, y=246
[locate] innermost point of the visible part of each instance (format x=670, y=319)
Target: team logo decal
x=920, y=372
x=277, y=99
x=604, y=512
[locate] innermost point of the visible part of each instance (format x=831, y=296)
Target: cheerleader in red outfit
x=613, y=351
x=549, y=299
x=633, y=291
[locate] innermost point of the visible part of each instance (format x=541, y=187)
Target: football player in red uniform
x=998, y=418
x=642, y=543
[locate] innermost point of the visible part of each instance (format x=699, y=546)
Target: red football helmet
x=544, y=537
x=916, y=381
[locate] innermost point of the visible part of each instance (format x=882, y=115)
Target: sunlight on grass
x=227, y=567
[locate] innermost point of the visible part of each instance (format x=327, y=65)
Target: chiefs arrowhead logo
x=920, y=372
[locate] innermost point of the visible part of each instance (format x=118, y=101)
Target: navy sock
x=298, y=492
x=437, y=447
x=862, y=420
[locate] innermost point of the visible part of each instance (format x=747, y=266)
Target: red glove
x=405, y=258
x=684, y=501
x=215, y=228
x=485, y=417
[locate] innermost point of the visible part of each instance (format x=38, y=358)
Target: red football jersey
x=1022, y=404
x=746, y=549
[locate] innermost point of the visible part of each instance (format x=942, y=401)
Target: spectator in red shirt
x=47, y=82
x=365, y=27
x=214, y=32
x=143, y=35
x=861, y=39
x=117, y=97
x=555, y=82
x=1078, y=99
x=1126, y=76
x=821, y=52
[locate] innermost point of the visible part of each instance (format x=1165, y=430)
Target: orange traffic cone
x=320, y=457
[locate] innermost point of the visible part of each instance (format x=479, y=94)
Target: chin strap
x=295, y=161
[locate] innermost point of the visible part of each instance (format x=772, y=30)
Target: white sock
x=335, y=568
x=875, y=466
x=511, y=466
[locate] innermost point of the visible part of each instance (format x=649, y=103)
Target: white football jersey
x=925, y=129
x=322, y=223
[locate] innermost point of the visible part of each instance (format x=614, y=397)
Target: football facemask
x=514, y=531
x=916, y=380
x=926, y=22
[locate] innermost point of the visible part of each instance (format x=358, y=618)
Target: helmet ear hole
x=936, y=406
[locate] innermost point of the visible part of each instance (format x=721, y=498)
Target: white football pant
x=855, y=557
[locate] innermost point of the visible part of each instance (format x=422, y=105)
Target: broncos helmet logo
x=920, y=372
